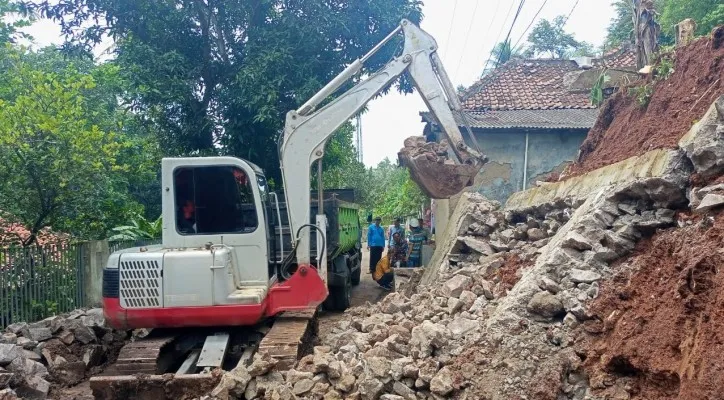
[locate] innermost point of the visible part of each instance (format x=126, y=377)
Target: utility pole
x=358, y=138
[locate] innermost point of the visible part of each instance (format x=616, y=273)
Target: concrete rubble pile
x=60, y=350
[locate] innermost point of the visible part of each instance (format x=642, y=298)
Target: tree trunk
x=646, y=30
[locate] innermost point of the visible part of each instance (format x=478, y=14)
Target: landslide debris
x=60, y=351
x=625, y=128
x=662, y=318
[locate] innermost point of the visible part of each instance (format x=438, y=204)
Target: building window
x=212, y=200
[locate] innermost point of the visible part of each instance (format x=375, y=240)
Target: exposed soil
x=510, y=272
x=658, y=327
x=625, y=129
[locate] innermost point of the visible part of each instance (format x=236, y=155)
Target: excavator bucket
x=436, y=175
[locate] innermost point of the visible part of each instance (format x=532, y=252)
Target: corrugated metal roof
x=527, y=119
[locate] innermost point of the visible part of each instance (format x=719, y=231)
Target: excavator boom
x=440, y=169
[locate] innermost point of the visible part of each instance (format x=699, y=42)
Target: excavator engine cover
x=436, y=175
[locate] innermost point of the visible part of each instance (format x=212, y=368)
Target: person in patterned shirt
x=398, y=252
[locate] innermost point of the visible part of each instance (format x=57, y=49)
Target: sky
x=465, y=31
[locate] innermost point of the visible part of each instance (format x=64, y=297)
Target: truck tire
x=340, y=297
x=357, y=275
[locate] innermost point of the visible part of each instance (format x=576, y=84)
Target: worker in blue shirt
x=375, y=243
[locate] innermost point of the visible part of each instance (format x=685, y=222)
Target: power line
x=529, y=25
x=498, y=37
x=449, y=32
x=467, y=36
x=517, y=13
x=495, y=13
x=569, y=14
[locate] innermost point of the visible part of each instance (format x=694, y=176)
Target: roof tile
x=536, y=84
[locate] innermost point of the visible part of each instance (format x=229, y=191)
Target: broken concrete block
x=38, y=334
x=442, y=383
x=93, y=355
x=583, y=276
x=536, y=234
x=461, y=326
x=455, y=285
x=17, y=327
x=709, y=202
x=575, y=240
x=8, y=353
x=33, y=387
x=545, y=305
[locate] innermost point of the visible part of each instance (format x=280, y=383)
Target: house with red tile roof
x=531, y=115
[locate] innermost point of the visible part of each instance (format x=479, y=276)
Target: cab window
x=214, y=200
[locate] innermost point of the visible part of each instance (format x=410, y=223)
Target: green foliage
x=584, y=49
x=548, y=38
x=713, y=18
x=706, y=13
x=13, y=16
x=219, y=77
x=620, y=29
x=596, y=94
x=391, y=192
x=59, y=151
x=503, y=52
x=139, y=228
x=642, y=93
x=340, y=164
x=664, y=66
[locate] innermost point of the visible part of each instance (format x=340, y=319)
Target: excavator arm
x=307, y=129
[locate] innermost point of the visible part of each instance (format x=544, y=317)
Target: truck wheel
x=342, y=295
x=357, y=275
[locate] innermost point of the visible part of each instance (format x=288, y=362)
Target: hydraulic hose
x=284, y=269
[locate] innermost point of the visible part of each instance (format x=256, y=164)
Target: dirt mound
x=661, y=318
x=625, y=128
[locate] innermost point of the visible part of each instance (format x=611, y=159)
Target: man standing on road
x=375, y=243
x=396, y=228
x=418, y=236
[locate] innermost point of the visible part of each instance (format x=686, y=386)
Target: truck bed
x=343, y=229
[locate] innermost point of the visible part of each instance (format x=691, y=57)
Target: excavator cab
x=213, y=267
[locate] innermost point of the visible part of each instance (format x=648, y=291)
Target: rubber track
x=290, y=337
x=141, y=356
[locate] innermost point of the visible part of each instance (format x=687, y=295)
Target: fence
x=38, y=282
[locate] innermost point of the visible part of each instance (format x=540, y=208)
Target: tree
x=620, y=29
x=706, y=13
x=12, y=17
x=218, y=76
x=391, y=192
x=549, y=38
x=59, y=167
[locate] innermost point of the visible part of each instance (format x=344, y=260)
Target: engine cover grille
x=141, y=281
